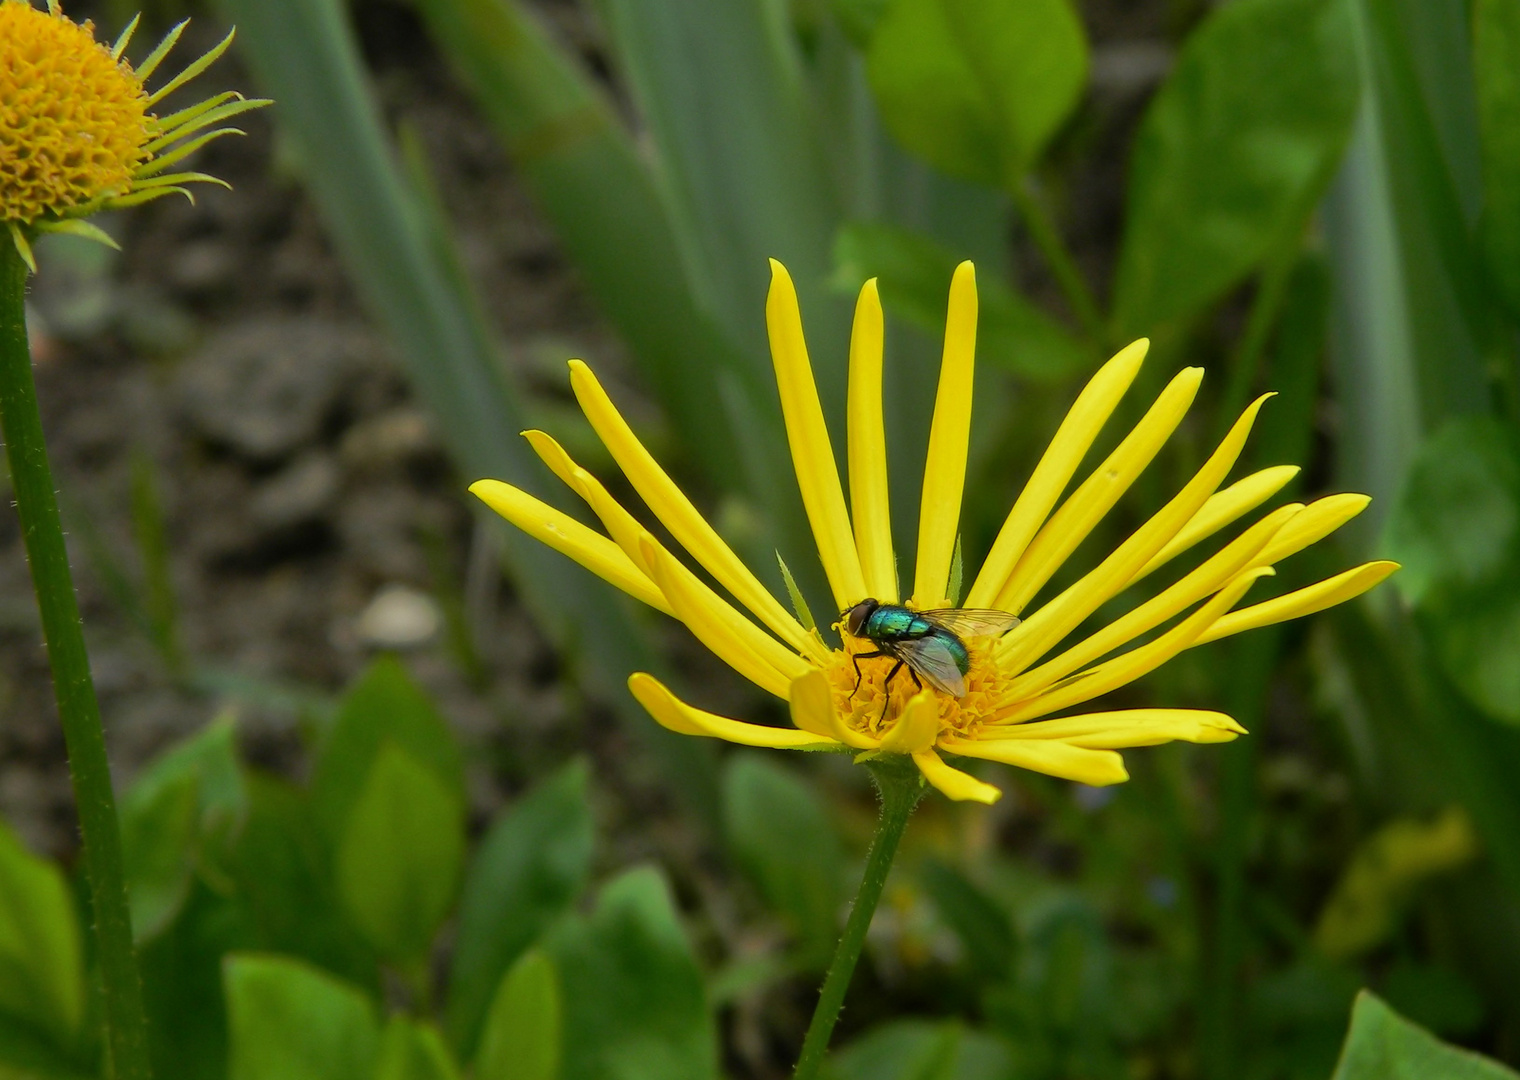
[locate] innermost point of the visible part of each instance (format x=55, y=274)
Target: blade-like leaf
x=1382, y=1045
x=289, y=1021
x=1496, y=63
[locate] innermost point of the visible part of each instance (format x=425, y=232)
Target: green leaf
x=282, y=866
x=383, y=705
x=634, y=1002
x=530, y=868
x=179, y=816
x=984, y=929
x=1456, y=529
x=1496, y=63
x=978, y=87
x=399, y=860
x=914, y=274
x=1382, y=1045
x=781, y=836
x=523, y=1030
x=41, y=959
x=1233, y=152
x=289, y=1021
x=920, y=1050
x=413, y=1051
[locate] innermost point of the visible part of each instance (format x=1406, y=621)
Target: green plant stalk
x=900, y=786
x=1064, y=268
x=42, y=530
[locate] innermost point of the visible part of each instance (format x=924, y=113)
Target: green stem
x=126, y=1026
x=899, y=784
x=1043, y=232
x=1266, y=305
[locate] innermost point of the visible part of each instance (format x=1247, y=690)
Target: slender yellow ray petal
x=1051, y=757
x=1098, y=493
x=675, y=510
x=867, y=449
x=1094, y=405
x=1244, y=550
x=1128, y=667
x=1336, y=590
x=917, y=727
x=954, y=784
x=1065, y=613
x=808, y=436
x=813, y=710
x=1321, y=519
x=1223, y=507
x=1088, y=725
x=569, y=537
x=673, y=713
x=939, y=511
x=721, y=628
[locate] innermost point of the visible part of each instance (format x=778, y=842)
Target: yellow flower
x=77, y=134
x=1013, y=685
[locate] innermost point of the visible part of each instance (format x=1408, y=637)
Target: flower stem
x=73, y=688
x=1063, y=266
x=899, y=784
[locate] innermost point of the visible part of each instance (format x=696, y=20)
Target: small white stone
x=399, y=617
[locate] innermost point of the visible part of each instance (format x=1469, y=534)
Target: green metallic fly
x=928, y=643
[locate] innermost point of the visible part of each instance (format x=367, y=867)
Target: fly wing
x=931, y=659
x=972, y=622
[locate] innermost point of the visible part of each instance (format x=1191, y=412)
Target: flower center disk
x=876, y=706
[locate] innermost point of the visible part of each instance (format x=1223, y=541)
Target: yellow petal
x=867, y=448
x=813, y=710
x=812, y=453
x=1126, y=728
x=673, y=713
x=1223, y=507
x=1066, y=612
x=1336, y=590
x=676, y=512
x=939, y=511
x=759, y=658
x=1127, y=667
x=1319, y=520
x=1098, y=493
x=954, y=784
x=1086, y=418
x=1051, y=757
x=917, y=727
x=569, y=537
x=622, y=526
x=1245, y=550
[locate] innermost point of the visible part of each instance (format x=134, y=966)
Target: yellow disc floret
x=74, y=122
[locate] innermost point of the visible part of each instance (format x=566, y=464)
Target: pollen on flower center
x=73, y=121
x=863, y=709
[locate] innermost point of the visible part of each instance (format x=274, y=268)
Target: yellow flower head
x=77, y=134
x=1002, y=703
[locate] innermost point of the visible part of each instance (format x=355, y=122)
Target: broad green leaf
x=859, y=18
x=984, y=928
x=1496, y=62
x=413, y=1051
x=383, y=705
x=282, y=865
x=978, y=87
x=921, y=1050
x=781, y=835
x=289, y=1021
x=1368, y=901
x=634, y=1002
x=1382, y=1045
x=914, y=275
x=524, y=1028
x=179, y=816
x=1232, y=153
x=1456, y=529
x=41, y=958
x=399, y=860
x=529, y=869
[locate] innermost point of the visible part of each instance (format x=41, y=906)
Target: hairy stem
x=900, y=786
x=37, y=507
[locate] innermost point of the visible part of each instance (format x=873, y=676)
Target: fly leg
x=886, y=689
x=856, y=659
